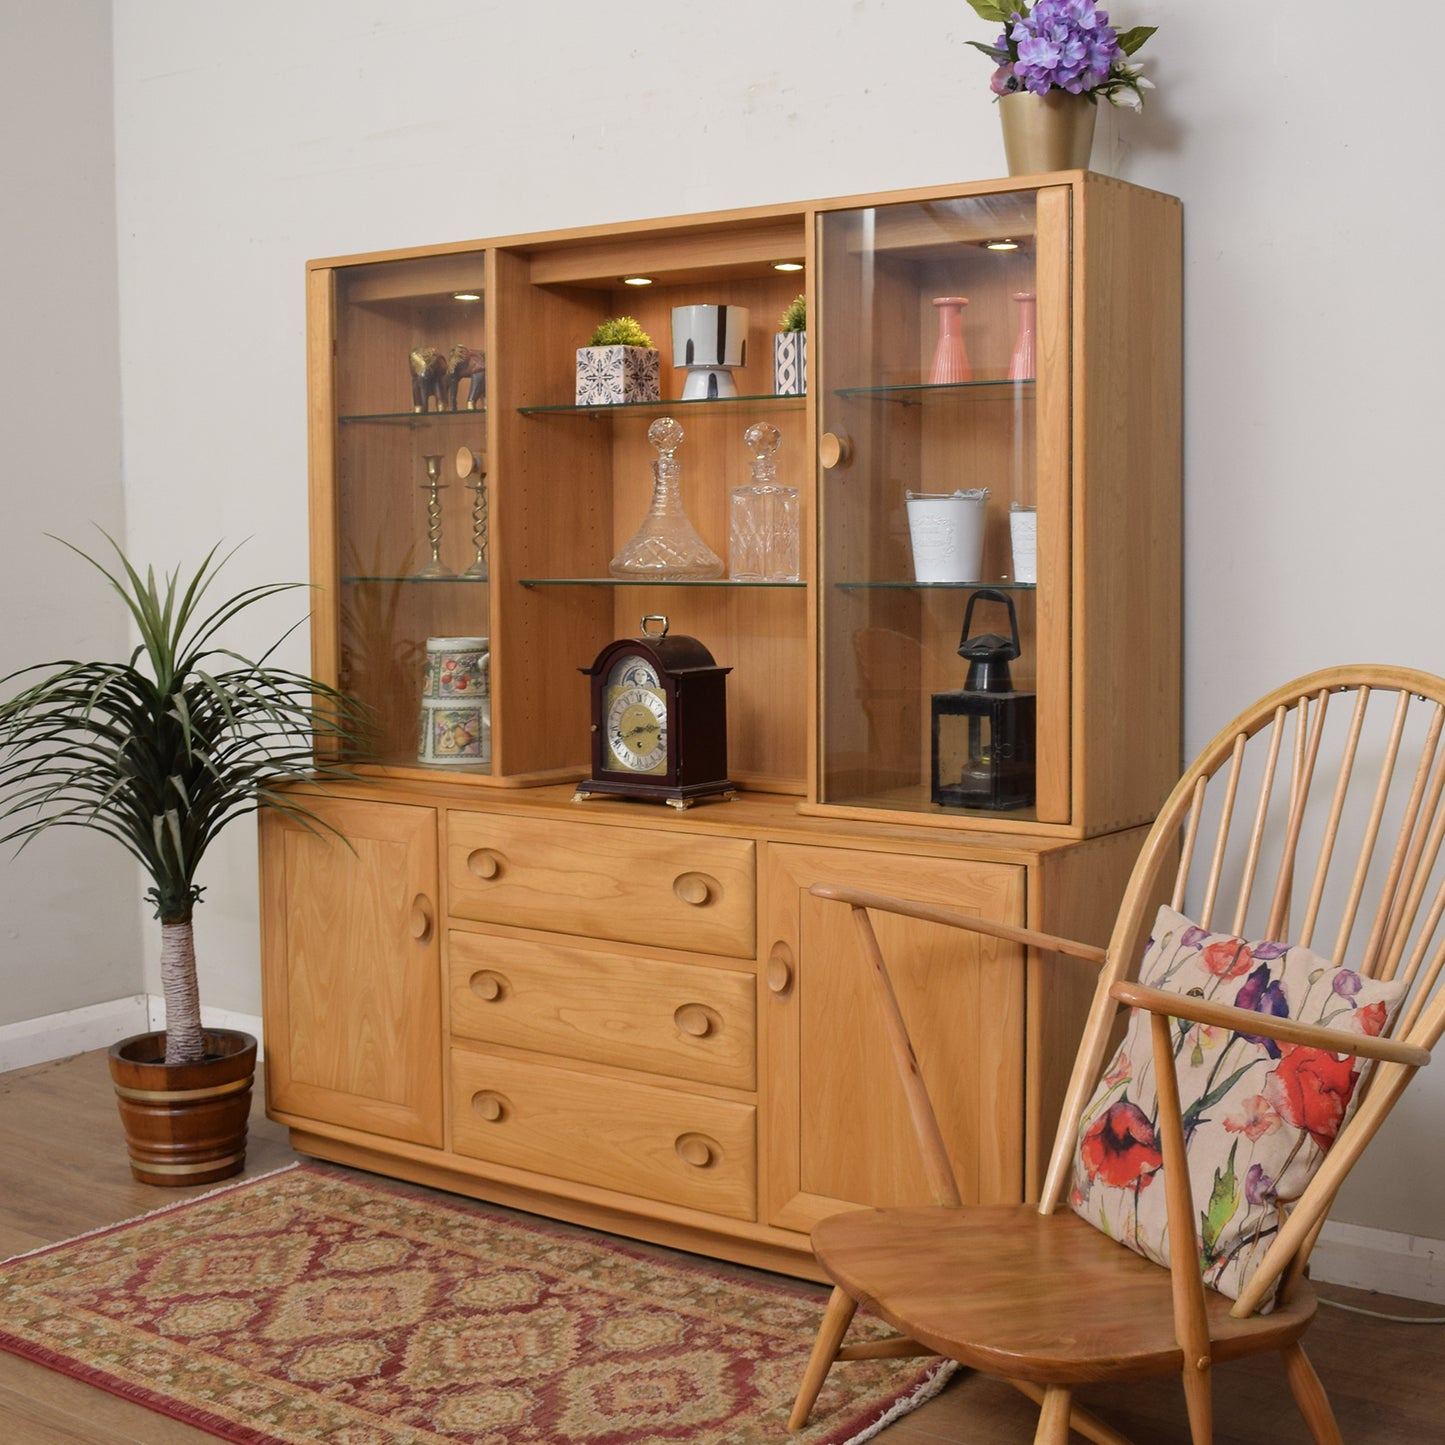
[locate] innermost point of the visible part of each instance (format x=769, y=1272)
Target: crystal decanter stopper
x=666, y=546
x=763, y=536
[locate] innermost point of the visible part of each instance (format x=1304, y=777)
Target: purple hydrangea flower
x=1064, y=45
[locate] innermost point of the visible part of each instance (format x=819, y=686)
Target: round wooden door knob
x=489, y=1105
x=834, y=450
x=487, y=986
x=694, y=1020
x=484, y=863
x=779, y=972
x=696, y=889
x=697, y=1150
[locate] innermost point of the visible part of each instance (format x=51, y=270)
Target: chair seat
x=1030, y=1296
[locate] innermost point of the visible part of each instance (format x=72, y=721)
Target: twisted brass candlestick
x=433, y=487
x=469, y=465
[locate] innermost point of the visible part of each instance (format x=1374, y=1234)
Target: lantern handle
x=988, y=594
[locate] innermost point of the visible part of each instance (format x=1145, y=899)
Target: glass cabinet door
x=944, y=496
x=401, y=449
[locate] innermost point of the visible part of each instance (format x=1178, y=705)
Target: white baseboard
x=97, y=1026
x=1407, y=1265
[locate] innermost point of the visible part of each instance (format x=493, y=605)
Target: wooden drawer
x=684, y=1020
x=672, y=889
x=657, y=1143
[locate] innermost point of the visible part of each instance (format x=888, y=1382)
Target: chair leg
x=1309, y=1395
x=1053, y=1428
x=1081, y=1421
x=1199, y=1401
x=836, y=1319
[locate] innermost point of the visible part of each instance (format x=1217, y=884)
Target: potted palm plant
x=160, y=750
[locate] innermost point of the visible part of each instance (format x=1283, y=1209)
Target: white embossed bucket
x=946, y=529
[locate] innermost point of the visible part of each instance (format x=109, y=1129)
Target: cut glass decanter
x=763, y=537
x=666, y=546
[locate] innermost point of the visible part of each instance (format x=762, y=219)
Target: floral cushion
x=1259, y=1115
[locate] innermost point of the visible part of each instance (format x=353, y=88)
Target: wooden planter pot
x=184, y=1123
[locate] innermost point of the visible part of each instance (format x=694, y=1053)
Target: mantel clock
x=659, y=720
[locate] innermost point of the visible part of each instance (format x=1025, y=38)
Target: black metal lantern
x=983, y=736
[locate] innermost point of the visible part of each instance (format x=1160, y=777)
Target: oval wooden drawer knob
x=421, y=918
x=779, y=972
x=696, y=888
x=694, y=1019
x=489, y=1105
x=484, y=863
x=834, y=450
x=697, y=1150
x=487, y=986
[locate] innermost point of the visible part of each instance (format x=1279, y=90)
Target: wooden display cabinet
x=638, y=1017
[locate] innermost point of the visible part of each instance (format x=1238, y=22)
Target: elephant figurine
x=466, y=361
x=428, y=372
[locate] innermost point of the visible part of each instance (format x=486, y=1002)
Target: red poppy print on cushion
x=1121, y=1148
x=1312, y=1088
x=1228, y=958
x=1258, y=1114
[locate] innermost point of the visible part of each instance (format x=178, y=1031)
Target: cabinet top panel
x=748, y=228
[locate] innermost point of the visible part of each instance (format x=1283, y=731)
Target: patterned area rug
x=317, y=1305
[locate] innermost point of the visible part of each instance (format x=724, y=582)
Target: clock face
x=635, y=721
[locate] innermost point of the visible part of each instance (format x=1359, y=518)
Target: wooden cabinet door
x=352, y=969
x=838, y=1133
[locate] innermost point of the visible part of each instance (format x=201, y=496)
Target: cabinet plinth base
x=756, y=1254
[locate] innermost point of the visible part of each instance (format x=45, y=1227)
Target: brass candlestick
x=434, y=486
x=474, y=478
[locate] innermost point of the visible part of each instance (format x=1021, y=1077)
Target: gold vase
x=1049, y=132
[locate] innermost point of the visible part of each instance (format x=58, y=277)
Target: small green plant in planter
x=790, y=350
x=618, y=364
x=620, y=331
x=795, y=318
x=160, y=750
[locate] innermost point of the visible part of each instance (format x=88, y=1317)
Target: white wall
x=69, y=930
x=250, y=138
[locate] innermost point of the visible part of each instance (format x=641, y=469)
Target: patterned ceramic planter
x=607, y=375
x=790, y=363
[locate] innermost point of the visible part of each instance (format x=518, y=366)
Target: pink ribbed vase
x=1023, y=365
x=950, y=358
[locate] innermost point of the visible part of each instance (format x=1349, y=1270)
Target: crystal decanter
x=666, y=546
x=763, y=536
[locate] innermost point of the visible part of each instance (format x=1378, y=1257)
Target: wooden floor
x=63, y=1172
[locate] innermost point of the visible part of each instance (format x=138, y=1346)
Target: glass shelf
x=662, y=408
x=648, y=582
x=925, y=393
x=411, y=418
x=412, y=577
x=1000, y=584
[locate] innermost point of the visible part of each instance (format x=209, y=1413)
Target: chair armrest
x=929, y=913
x=1246, y=1021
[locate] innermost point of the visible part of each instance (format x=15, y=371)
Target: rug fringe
x=154, y=1213
x=905, y=1404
